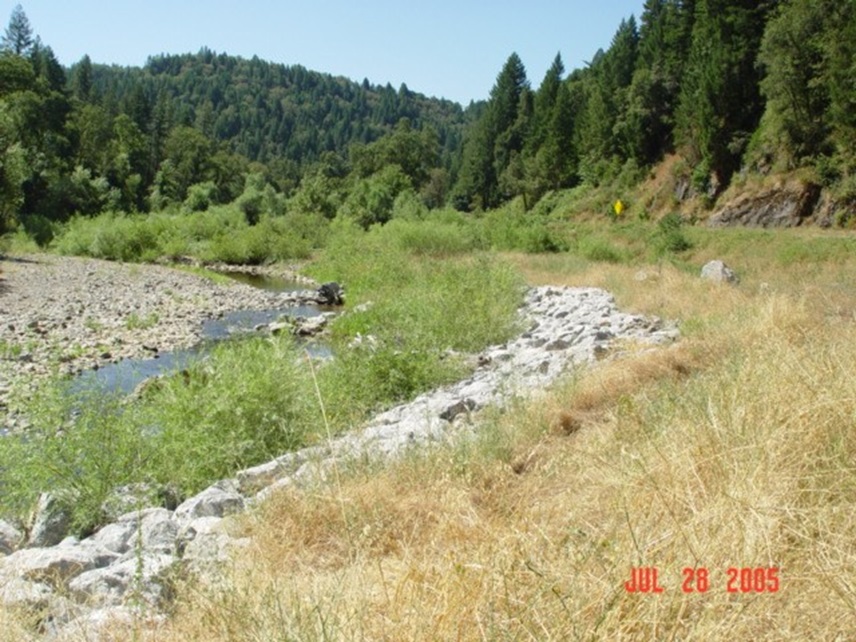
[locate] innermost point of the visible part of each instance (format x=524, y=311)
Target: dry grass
x=734, y=448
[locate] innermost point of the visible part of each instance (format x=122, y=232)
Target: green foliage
x=669, y=237
x=200, y=196
x=437, y=236
x=495, y=139
x=246, y=403
x=598, y=249
x=220, y=234
x=720, y=103
x=511, y=227
x=84, y=460
x=372, y=199
x=18, y=37
x=194, y=132
x=807, y=52
x=136, y=322
x=420, y=306
x=251, y=400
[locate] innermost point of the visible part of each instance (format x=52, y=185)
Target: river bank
x=64, y=315
x=133, y=557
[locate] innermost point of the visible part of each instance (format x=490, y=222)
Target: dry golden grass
x=735, y=447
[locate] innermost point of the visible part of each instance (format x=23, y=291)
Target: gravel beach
x=67, y=314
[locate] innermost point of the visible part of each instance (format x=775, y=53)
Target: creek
x=125, y=375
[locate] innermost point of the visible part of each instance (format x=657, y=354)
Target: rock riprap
x=79, y=585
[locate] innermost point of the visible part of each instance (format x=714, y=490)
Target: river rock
x=218, y=500
x=16, y=592
x=116, y=537
x=158, y=531
x=139, y=573
x=331, y=294
x=719, y=272
x=10, y=537
x=51, y=521
x=56, y=565
x=309, y=326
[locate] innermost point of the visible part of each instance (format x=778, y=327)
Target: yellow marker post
x=618, y=207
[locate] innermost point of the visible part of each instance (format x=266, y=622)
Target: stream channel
x=125, y=375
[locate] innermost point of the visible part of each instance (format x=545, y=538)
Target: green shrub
x=104, y=447
x=595, y=248
x=251, y=400
x=669, y=237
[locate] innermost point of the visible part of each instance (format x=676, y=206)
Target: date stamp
x=761, y=579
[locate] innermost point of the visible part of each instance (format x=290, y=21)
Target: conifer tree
x=18, y=38
x=495, y=139
x=82, y=79
x=720, y=103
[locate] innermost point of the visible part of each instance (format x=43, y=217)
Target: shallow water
x=125, y=375
x=270, y=283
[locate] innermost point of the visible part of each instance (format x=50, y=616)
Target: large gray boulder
x=140, y=573
x=331, y=294
x=56, y=565
x=719, y=272
x=218, y=500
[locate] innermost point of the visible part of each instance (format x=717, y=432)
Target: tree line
x=758, y=84
x=762, y=85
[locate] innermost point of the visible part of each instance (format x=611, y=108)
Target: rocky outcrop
x=790, y=206
x=133, y=561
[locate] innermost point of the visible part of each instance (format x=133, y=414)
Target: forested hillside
x=729, y=85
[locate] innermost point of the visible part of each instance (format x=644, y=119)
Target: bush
x=104, y=447
x=247, y=402
x=219, y=234
x=669, y=237
x=595, y=248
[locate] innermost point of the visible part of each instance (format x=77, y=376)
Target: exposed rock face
x=79, y=585
x=718, y=272
x=781, y=207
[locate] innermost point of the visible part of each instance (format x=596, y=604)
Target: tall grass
x=734, y=448
x=416, y=306
x=251, y=400
x=246, y=402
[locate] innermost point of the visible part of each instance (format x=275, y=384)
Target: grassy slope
x=734, y=448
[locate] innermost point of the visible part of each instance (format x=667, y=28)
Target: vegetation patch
x=251, y=400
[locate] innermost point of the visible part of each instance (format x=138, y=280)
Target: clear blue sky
x=444, y=48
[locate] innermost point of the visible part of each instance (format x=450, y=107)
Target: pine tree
x=606, y=87
x=720, y=102
x=495, y=139
x=545, y=101
x=18, y=38
x=646, y=128
x=82, y=80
